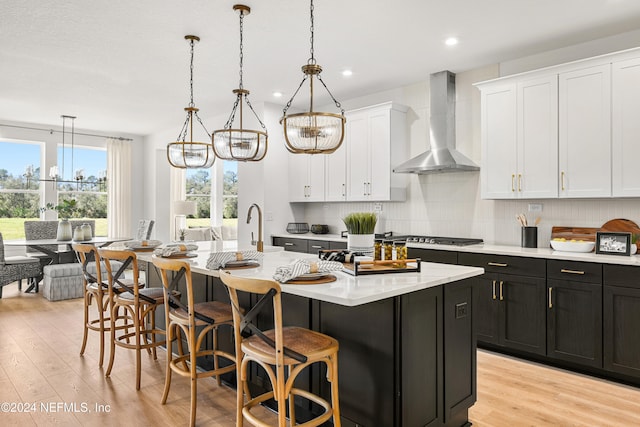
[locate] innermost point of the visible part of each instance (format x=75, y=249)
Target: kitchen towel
x=304, y=266
x=174, y=249
x=220, y=259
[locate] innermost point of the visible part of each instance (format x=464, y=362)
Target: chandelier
x=240, y=144
x=57, y=175
x=313, y=132
x=190, y=154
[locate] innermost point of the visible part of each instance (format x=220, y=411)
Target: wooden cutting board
x=574, y=233
x=621, y=225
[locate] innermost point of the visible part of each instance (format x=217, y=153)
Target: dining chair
x=16, y=268
x=40, y=230
x=95, y=288
x=137, y=302
x=194, y=321
x=290, y=347
x=145, y=226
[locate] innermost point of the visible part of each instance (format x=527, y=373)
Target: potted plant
x=65, y=209
x=360, y=229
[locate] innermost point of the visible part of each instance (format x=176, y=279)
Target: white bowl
x=569, y=246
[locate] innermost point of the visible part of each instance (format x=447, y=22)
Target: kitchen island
x=407, y=352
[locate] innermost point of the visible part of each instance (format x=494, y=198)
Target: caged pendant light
x=313, y=132
x=190, y=154
x=238, y=143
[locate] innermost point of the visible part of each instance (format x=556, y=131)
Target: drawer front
x=337, y=245
x=433, y=255
x=532, y=267
x=317, y=245
x=625, y=276
x=575, y=271
x=293, y=245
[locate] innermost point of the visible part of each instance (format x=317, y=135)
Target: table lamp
x=182, y=208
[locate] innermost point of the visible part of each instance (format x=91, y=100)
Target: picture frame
x=613, y=243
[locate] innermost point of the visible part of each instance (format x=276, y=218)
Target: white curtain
x=177, y=191
x=119, y=188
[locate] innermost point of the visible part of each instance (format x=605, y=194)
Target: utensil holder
x=529, y=237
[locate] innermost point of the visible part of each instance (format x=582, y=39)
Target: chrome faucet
x=260, y=243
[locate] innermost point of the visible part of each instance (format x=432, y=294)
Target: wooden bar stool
x=139, y=305
x=195, y=321
x=291, y=347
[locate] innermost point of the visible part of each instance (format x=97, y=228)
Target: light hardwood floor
x=39, y=363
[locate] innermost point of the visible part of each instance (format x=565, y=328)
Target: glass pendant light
x=313, y=132
x=239, y=143
x=190, y=154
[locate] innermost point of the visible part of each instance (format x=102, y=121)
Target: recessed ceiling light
x=277, y=94
x=451, y=41
x=347, y=73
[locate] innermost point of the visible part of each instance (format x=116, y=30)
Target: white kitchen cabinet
x=306, y=177
x=375, y=142
x=585, y=132
x=625, y=128
x=336, y=175
x=520, y=139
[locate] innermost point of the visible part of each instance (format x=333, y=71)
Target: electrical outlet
x=461, y=310
x=377, y=207
x=268, y=216
x=535, y=207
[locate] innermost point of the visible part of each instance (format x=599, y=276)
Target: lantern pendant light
x=313, y=132
x=238, y=143
x=190, y=154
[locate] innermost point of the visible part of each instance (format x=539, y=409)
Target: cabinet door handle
x=288, y=244
x=316, y=246
x=519, y=182
x=571, y=271
x=343, y=190
x=562, y=180
x=501, y=295
x=513, y=177
x=493, y=284
x=497, y=264
x=550, y=303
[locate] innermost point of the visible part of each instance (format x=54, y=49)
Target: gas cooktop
x=436, y=240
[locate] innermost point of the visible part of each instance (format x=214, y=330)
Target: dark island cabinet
x=574, y=312
x=433, y=255
x=509, y=301
x=622, y=320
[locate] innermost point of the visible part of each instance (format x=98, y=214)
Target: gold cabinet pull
x=562, y=179
x=501, y=295
x=497, y=264
x=519, y=182
x=493, y=284
x=513, y=177
x=564, y=270
x=316, y=246
x=550, y=303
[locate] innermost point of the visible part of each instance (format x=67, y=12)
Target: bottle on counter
x=387, y=250
x=399, y=252
x=377, y=249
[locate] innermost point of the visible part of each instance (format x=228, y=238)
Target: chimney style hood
x=443, y=156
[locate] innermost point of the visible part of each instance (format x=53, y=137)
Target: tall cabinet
x=585, y=132
x=375, y=142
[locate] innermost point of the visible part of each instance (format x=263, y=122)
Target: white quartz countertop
x=489, y=248
x=347, y=290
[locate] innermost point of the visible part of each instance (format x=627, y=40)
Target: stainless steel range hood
x=443, y=156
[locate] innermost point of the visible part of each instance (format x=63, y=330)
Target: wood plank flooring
x=40, y=363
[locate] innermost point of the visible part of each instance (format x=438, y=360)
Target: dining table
x=64, y=251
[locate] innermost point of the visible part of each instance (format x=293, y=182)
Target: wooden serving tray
x=574, y=233
x=382, y=267
x=325, y=279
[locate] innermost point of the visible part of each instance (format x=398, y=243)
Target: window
x=230, y=194
x=89, y=164
x=19, y=186
x=199, y=190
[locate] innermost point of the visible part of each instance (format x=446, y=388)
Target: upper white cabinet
x=585, y=132
x=520, y=139
x=376, y=140
x=306, y=177
x=336, y=175
x=626, y=128
x=572, y=130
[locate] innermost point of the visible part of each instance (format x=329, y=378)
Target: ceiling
x=122, y=66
